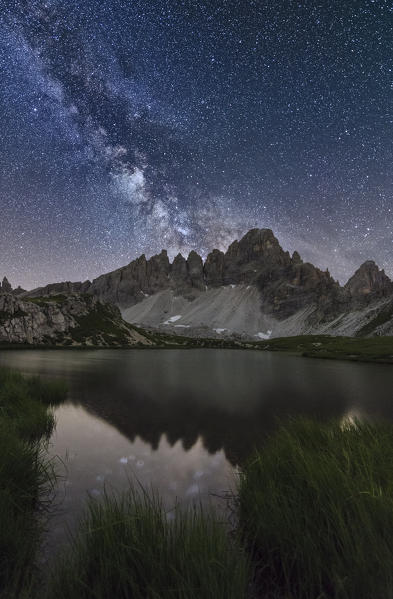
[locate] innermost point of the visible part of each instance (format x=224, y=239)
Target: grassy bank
x=316, y=510
x=357, y=349
x=25, y=476
x=127, y=547
x=315, y=518
x=365, y=349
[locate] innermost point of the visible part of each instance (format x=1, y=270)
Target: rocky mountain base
x=60, y=320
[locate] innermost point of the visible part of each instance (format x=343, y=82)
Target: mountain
x=72, y=320
x=6, y=287
x=254, y=290
x=369, y=284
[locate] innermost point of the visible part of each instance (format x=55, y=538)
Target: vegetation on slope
x=46, y=299
x=68, y=320
x=25, y=476
x=101, y=326
x=316, y=509
x=170, y=340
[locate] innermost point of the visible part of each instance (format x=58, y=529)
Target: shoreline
x=375, y=350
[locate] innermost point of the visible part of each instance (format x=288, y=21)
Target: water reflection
x=182, y=420
x=227, y=400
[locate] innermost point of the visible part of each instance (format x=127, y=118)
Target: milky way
x=132, y=125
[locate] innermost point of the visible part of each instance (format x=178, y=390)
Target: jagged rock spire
x=5, y=286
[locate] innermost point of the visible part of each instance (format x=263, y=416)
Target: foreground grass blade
x=316, y=509
x=127, y=547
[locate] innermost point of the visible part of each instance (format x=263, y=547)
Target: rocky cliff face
x=64, y=320
x=286, y=284
x=296, y=294
x=57, y=288
x=368, y=284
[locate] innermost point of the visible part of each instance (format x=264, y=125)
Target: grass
x=102, y=323
x=316, y=509
x=173, y=341
x=127, y=548
x=314, y=519
x=26, y=477
x=45, y=299
x=366, y=349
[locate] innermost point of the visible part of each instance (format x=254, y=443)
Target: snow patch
x=264, y=335
x=172, y=319
x=233, y=286
x=219, y=331
x=182, y=326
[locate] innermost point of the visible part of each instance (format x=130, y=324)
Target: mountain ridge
x=291, y=296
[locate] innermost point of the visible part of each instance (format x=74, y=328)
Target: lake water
x=182, y=420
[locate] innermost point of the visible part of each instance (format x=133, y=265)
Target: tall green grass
x=26, y=476
x=316, y=508
x=127, y=548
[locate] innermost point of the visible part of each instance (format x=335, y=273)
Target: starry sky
x=128, y=126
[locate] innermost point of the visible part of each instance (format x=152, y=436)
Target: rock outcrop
x=5, y=286
x=57, y=288
x=64, y=320
x=368, y=284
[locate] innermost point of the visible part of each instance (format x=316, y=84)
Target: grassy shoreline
x=356, y=349
x=314, y=513
x=315, y=519
x=316, y=510
x=377, y=350
x=26, y=476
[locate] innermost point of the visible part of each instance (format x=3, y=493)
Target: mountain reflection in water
x=229, y=399
x=181, y=420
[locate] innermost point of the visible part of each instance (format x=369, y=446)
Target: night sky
x=128, y=126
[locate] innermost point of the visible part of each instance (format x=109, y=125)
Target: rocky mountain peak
x=254, y=244
x=296, y=259
x=369, y=281
x=179, y=273
x=5, y=286
x=195, y=270
x=256, y=253
x=214, y=268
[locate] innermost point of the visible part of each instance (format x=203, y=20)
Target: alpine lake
x=182, y=421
